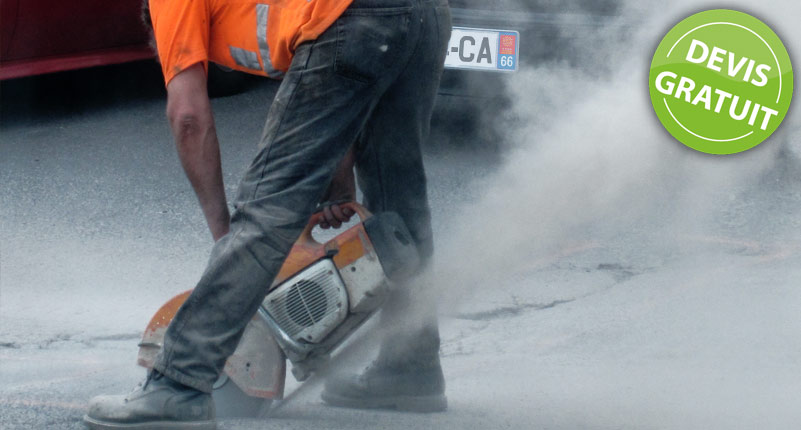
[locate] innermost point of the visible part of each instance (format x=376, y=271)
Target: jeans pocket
x=371, y=43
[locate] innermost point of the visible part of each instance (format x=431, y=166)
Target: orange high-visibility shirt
x=253, y=36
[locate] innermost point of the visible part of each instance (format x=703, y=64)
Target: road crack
x=509, y=311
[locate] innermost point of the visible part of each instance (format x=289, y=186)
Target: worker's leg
x=407, y=373
x=392, y=178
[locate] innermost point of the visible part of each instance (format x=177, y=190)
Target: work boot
x=158, y=403
x=383, y=386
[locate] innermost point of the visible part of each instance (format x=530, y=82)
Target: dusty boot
x=159, y=403
x=407, y=375
x=383, y=386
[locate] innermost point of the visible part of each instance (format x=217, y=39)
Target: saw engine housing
x=312, y=311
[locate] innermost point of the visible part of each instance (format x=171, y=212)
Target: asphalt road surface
x=664, y=302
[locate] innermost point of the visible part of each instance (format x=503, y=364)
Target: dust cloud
x=694, y=328
x=589, y=164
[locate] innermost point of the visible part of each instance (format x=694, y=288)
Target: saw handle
x=306, y=234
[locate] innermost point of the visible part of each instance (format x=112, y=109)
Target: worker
x=359, y=78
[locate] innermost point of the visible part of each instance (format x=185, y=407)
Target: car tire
x=231, y=402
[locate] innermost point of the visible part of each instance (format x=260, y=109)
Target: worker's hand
x=341, y=190
x=335, y=214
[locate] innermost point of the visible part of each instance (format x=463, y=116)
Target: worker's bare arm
x=192, y=124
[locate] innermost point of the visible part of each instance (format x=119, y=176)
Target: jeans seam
x=379, y=173
x=439, y=24
x=269, y=145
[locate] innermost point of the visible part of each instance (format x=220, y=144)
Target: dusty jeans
x=370, y=79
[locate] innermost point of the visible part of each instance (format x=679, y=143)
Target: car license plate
x=481, y=49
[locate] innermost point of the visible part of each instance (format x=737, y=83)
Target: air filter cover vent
x=311, y=304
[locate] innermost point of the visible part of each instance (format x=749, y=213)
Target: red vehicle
x=44, y=36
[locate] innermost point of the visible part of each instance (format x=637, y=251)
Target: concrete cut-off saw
x=323, y=292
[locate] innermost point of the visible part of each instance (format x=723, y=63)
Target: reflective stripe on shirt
x=262, y=12
x=245, y=58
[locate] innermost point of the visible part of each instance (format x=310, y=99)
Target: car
x=493, y=40
x=40, y=36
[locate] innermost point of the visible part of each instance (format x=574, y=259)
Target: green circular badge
x=721, y=81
